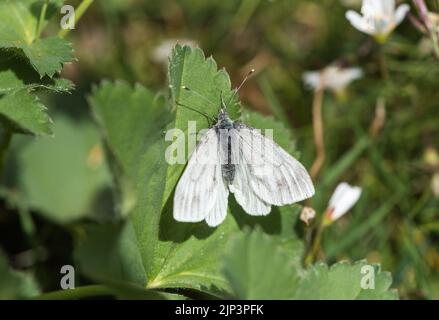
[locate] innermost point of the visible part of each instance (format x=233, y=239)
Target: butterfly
x=232, y=157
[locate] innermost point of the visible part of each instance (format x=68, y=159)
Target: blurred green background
x=52, y=185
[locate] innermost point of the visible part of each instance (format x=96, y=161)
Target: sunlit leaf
x=24, y=113
x=172, y=254
x=19, y=31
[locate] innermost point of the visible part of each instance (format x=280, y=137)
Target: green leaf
x=172, y=254
x=188, y=67
x=24, y=113
x=62, y=176
x=18, y=30
x=15, y=76
x=259, y=267
x=15, y=284
x=20, y=108
x=342, y=281
x=48, y=55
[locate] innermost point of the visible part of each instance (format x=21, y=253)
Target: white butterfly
x=243, y=161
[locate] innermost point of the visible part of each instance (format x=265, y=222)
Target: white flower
x=343, y=198
x=378, y=18
x=332, y=77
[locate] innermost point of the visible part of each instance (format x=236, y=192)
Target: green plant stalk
x=421, y=203
x=244, y=13
x=345, y=162
x=41, y=19
x=316, y=243
x=77, y=293
x=276, y=107
x=319, y=140
x=434, y=39
x=5, y=139
x=78, y=14
x=382, y=64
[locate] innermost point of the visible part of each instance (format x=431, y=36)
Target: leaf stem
x=41, y=19
x=318, y=132
x=79, y=12
x=77, y=293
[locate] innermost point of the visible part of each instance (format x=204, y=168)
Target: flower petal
x=343, y=198
x=369, y=8
x=311, y=79
x=388, y=7
x=400, y=13
x=358, y=22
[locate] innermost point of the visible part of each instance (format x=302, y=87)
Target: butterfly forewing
x=273, y=175
x=197, y=189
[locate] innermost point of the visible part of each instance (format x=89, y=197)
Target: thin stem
x=434, y=39
x=77, y=293
x=315, y=247
x=383, y=64
x=78, y=14
x=5, y=139
x=318, y=132
x=378, y=120
x=41, y=19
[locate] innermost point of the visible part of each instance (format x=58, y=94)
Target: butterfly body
x=224, y=123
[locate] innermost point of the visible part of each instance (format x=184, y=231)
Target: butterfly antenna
x=223, y=104
x=209, y=118
x=235, y=92
x=198, y=95
x=245, y=79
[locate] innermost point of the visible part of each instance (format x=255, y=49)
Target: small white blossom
x=378, y=17
x=307, y=215
x=332, y=77
x=343, y=198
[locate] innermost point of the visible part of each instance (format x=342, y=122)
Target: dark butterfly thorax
x=225, y=123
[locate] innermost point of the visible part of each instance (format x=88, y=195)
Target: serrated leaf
x=15, y=284
x=258, y=267
x=16, y=75
x=342, y=281
x=23, y=112
x=173, y=254
x=61, y=177
x=188, y=67
x=18, y=30
x=48, y=55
